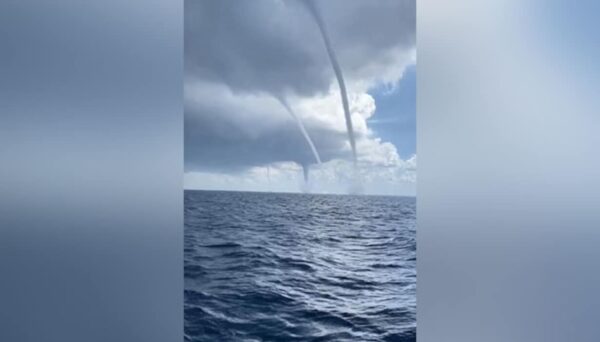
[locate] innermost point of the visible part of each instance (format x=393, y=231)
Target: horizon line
x=299, y=193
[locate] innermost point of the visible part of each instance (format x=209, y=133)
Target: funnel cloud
x=312, y=7
x=296, y=118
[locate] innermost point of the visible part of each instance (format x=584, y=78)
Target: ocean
x=299, y=267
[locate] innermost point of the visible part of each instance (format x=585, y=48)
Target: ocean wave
x=284, y=267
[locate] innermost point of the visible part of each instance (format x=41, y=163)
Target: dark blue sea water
x=299, y=267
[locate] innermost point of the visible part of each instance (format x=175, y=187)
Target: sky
x=243, y=59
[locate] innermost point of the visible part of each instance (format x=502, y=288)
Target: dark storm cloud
x=253, y=46
x=223, y=133
x=215, y=153
x=273, y=47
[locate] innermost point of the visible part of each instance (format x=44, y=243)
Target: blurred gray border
x=91, y=164
x=508, y=180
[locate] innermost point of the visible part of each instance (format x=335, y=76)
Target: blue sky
x=395, y=117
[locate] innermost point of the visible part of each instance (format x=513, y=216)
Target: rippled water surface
x=299, y=267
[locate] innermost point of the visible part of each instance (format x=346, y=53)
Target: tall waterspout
x=312, y=7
